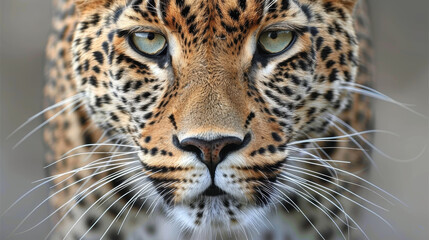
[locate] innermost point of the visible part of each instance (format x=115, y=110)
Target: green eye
x=273, y=42
x=149, y=43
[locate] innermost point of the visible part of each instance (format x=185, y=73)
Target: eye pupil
x=272, y=35
x=150, y=36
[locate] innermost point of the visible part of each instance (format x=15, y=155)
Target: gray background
x=402, y=60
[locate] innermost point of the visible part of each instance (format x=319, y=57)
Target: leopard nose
x=213, y=152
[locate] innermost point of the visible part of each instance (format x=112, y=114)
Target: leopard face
x=212, y=109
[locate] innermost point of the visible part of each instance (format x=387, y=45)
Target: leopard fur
x=211, y=83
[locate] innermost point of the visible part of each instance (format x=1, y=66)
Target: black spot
x=105, y=46
x=287, y=91
x=314, y=31
x=234, y=14
x=185, y=11
x=311, y=111
x=91, y=222
x=330, y=63
x=180, y=3
x=319, y=42
x=276, y=137
x=285, y=4
x=115, y=235
x=114, y=117
x=272, y=149
x=117, y=14
x=173, y=121
x=87, y=138
x=338, y=45
x=329, y=95
x=110, y=36
x=96, y=69
x=333, y=75
x=93, y=81
x=154, y=151
x=98, y=57
x=307, y=11
x=87, y=44
x=326, y=51
x=242, y=4
x=147, y=115
x=314, y=96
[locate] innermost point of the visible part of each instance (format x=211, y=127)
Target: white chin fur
x=210, y=215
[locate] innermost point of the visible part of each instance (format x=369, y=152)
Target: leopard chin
x=216, y=214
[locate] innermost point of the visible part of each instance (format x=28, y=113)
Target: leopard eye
x=273, y=42
x=149, y=43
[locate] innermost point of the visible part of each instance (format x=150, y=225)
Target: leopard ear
x=347, y=4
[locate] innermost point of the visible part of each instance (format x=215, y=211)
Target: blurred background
x=401, y=41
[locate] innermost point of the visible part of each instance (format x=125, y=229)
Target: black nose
x=211, y=153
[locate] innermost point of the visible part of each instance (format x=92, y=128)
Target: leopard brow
x=135, y=29
x=284, y=26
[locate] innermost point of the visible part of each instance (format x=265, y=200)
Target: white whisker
x=60, y=103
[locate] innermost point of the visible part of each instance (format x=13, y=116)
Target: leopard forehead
x=212, y=82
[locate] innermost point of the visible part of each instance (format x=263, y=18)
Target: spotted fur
x=213, y=83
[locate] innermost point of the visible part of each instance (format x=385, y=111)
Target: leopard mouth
x=213, y=191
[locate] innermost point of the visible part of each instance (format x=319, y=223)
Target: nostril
x=233, y=147
x=195, y=150
x=211, y=153
x=190, y=145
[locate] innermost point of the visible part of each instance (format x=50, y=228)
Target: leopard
x=193, y=119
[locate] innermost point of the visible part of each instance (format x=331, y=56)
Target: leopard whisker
x=325, y=210
x=72, y=99
x=112, y=167
x=79, y=154
x=117, y=189
x=144, y=202
x=135, y=197
x=98, y=144
x=132, y=199
x=44, y=181
x=324, y=176
x=363, y=180
x=373, y=146
x=367, y=155
x=343, y=148
x=110, y=192
x=348, y=217
x=321, y=160
x=44, y=123
x=156, y=201
x=317, y=147
x=46, y=218
x=335, y=184
x=107, y=163
x=319, y=205
x=351, y=200
x=97, y=162
x=294, y=159
x=299, y=210
x=370, y=92
x=136, y=177
x=152, y=193
x=329, y=139
x=326, y=160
